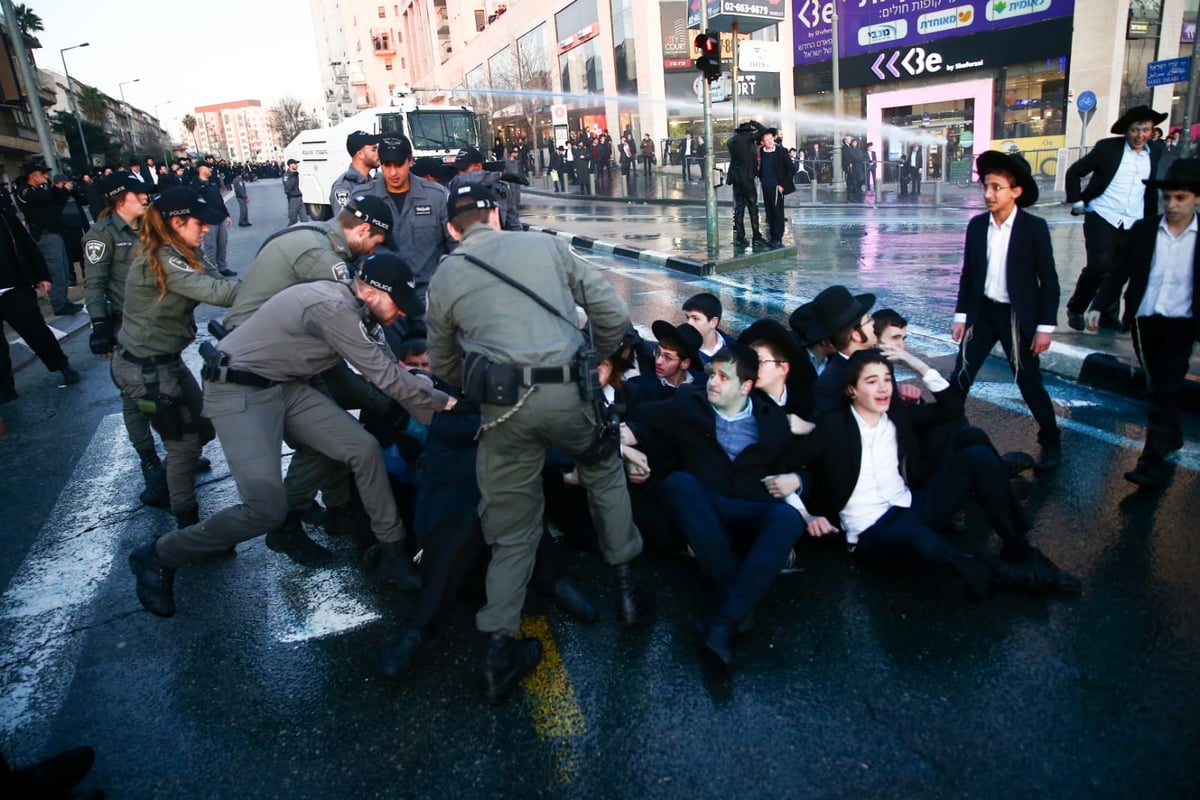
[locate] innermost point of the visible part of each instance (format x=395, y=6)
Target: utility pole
x=74, y=105
x=837, y=180
x=710, y=190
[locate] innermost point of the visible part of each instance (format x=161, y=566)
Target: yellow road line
x=557, y=717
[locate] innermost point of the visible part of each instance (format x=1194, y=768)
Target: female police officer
x=167, y=280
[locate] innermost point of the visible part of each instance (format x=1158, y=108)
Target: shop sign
x=866, y=27
x=768, y=10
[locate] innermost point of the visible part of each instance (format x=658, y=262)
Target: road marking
x=312, y=605
x=52, y=591
x=557, y=717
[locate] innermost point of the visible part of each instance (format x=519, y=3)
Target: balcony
x=382, y=42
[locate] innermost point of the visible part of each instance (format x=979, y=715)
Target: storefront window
x=1033, y=100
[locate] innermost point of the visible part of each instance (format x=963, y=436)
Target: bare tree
x=528, y=69
x=288, y=119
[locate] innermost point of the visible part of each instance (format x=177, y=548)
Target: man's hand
x=229, y=222
x=101, y=340
x=637, y=466
x=780, y=486
x=820, y=526
x=627, y=437
x=1093, y=320
x=1078, y=208
x=450, y=403
x=1041, y=343
x=957, y=330
x=909, y=393
x=800, y=427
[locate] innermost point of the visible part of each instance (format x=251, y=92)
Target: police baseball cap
x=115, y=185
x=375, y=211
x=208, y=164
x=467, y=156
x=394, y=148
x=36, y=166
x=469, y=196
x=390, y=274
x=358, y=140
x=184, y=201
x=291, y=161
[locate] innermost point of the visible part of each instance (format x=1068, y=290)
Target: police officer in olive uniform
x=42, y=204
x=308, y=252
x=216, y=241
x=469, y=163
x=364, y=157
x=162, y=291
x=418, y=206
x=474, y=312
x=108, y=251
x=256, y=387
x=291, y=190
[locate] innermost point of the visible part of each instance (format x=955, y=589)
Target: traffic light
x=709, y=62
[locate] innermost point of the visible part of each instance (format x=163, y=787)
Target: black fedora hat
x=804, y=326
x=1136, y=114
x=774, y=334
x=1184, y=173
x=835, y=309
x=1012, y=164
x=683, y=334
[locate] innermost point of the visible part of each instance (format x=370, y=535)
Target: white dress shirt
x=880, y=485
x=995, y=283
x=1169, y=288
x=1123, y=201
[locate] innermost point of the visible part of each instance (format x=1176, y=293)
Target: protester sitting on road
x=890, y=498
x=703, y=312
x=676, y=361
x=169, y=277
x=778, y=353
x=845, y=320
x=736, y=465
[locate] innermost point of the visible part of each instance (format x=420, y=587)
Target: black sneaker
x=228, y=273
x=69, y=375
x=1146, y=474
x=67, y=309
x=1076, y=321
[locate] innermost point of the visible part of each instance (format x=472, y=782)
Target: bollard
x=813, y=185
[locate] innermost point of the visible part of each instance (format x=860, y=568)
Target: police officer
x=743, y=166
x=168, y=278
x=291, y=190
x=469, y=163
x=243, y=199
x=473, y=311
x=108, y=252
x=256, y=387
x=418, y=207
x=364, y=157
x=216, y=241
x=307, y=252
x=42, y=204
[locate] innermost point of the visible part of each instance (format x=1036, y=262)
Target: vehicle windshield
x=442, y=130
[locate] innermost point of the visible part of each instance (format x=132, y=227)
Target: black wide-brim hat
x=1184, y=173
x=804, y=326
x=994, y=161
x=1136, y=114
x=835, y=309
x=774, y=334
x=684, y=334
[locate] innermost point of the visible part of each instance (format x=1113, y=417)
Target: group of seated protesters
x=737, y=448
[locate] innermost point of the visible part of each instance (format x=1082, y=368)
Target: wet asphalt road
x=855, y=682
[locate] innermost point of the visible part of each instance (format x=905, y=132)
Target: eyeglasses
x=994, y=187
x=772, y=361
x=665, y=355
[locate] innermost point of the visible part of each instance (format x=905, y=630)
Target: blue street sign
x=1086, y=101
x=1172, y=70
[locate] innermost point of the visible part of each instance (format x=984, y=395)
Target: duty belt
x=238, y=376
x=148, y=361
x=567, y=373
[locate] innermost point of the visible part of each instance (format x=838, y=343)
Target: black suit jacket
x=1032, y=280
x=1134, y=266
x=686, y=426
x=1101, y=163
x=833, y=452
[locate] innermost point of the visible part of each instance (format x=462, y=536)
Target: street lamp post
x=71, y=96
x=128, y=114
x=837, y=180
x=158, y=119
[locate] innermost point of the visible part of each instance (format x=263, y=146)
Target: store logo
x=813, y=13
x=947, y=20
x=879, y=34
x=1001, y=10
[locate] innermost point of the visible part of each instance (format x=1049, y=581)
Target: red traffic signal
x=709, y=60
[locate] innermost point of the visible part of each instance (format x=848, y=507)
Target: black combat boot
x=156, y=494
x=155, y=581
x=339, y=520
x=635, y=603
x=393, y=564
x=506, y=662
x=398, y=655
x=187, y=517
x=291, y=540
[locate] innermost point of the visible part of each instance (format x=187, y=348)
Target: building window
x=387, y=65
x=382, y=12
